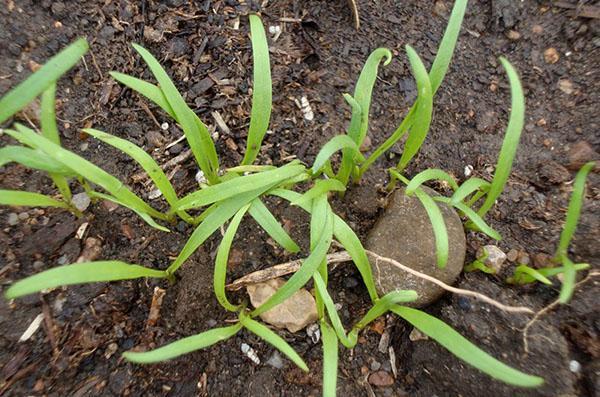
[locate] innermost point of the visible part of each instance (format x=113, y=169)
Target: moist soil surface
x=205, y=48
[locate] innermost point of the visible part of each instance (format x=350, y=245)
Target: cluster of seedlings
x=229, y=194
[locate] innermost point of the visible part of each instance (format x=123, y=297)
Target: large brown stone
x=404, y=233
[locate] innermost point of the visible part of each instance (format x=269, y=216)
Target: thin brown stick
x=343, y=256
x=355, y=15
x=547, y=309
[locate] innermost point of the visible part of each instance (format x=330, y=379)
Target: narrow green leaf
x=32, y=158
x=574, y=209
x=423, y=113
x=384, y=304
x=350, y=241
x=87, y=170
x=50, y=131
x=183, y=346
x=533, y=273
x=249, y=168
x=145, y=217
x=330, y=360
x=306, y=271
x=143, y=159
x=195, y=131
x=26, y=91
x=439, y=226
x=427, y=175
x=215, y=218
x=28, y=199
x=273, y=339
x=477, y=221
x=465, y=350
x=237, y=186
x=447, y=45
x=48, y=114
x=261, y=90
x=468, y=187
x=223, y=257
x=436, y=75
x=364, y=88
x=346, y=236
x=149, y=90
x=80, y=273
x=348, y=154
x=322, y=186
x=511, y=139
x=266, y=220
x=336, y=143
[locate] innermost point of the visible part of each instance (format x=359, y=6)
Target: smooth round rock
x=404, y=233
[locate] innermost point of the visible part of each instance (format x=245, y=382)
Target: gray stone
x=81, y=201
x=275, y=360
x=12, y=219
x=404, y=233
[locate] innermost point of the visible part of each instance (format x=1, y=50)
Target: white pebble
x=81, y=201
x=164, y=126
x=468, y=170
x=314, y=333
x=200, y=178
x=250, y=353
x=574, y=366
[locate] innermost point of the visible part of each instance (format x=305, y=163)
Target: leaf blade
x=80, y=273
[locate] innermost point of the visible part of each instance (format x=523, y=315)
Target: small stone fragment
x=314, y=333
x=574, y=366
x=295, y=313
x=381, y=379
x=416, y=335
x=91, y=251
x=81, y=201
x=12, y=219
x=404, y=233
x=250, y=353
x=551, y=56
x=23, y=216
x=579, y=154
x=492, y=256
x=566, y=86
x=513, y=35
x=275, y=360
x=512, y=255
x=38, y=265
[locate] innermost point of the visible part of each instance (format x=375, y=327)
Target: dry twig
x=343, y=256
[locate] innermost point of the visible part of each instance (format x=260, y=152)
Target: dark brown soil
x=77, y=350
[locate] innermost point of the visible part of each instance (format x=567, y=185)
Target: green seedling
x=526, y=275
x=473, y=189
x=42, y=82
x=479, y=265
x=232, y=196
x=573, y=212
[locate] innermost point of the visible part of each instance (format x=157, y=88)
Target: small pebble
x=38, y=265
x=12, y=219
x=416, y=335
x=574, y=366
x=375, y=365
x=513, y=35
x=84, y=146
x=566, y=86
x=275, y=360
x=181, y=226
x=551, y=56
x=164, y=126
x=464, y=303
x=350, y=282
x=381, y=379
x=512, y=255
x=81, y=201
x=23, y=216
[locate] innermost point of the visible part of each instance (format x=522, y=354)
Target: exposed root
x=548, y=309
x=355, y=15
x=343, y=256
